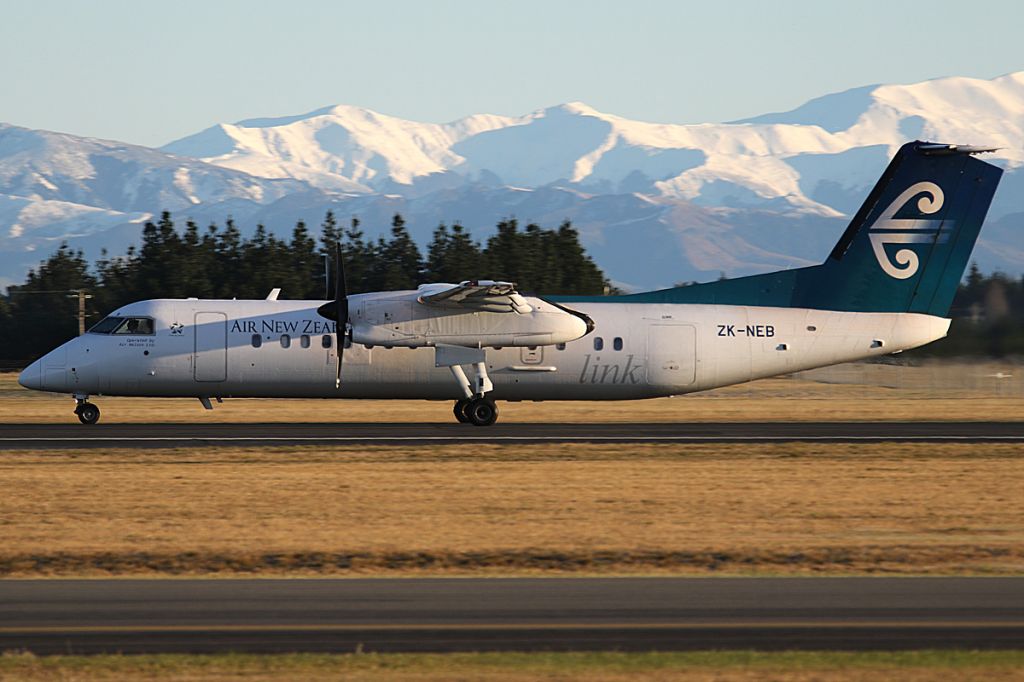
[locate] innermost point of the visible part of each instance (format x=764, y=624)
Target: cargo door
x=671, y=355
x=211, y=346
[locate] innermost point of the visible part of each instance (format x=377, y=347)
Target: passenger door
x=211, y=346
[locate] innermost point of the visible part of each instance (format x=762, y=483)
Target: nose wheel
x=87, y=412
x=477, y=411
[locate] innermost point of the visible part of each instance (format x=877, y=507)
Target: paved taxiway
x=86, y=616
x=75, y=435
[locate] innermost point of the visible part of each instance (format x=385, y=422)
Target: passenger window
x=286, y=341
x=598, y=343
x=559, y=346
x=257, y=340
x=617, y=343
x=304, y=340
x=325, y=341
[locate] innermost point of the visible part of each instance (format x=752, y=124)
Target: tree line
x=218, y=262
x=988, y=318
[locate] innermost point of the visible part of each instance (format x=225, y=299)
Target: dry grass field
x=855, y=392
x=737, y=666
x=501, y=510
x=541, y=509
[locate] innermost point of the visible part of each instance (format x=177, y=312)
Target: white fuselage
x=206, y=348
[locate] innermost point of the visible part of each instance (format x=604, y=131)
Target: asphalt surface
x=76, y=435
x=462, y=614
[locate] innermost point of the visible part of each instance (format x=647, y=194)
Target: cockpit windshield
x=134, y=326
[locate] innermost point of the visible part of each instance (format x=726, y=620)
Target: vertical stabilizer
x=908, y=245
x=905, y=250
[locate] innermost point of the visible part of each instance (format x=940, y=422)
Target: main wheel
x=88, y=413
x=460, y=410
x=482, y=411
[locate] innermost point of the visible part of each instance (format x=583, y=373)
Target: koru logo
x=177, y=328
x=890, y=230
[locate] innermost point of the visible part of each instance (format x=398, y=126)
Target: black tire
x=460, y=410
x=482, y=412
x=88, y=413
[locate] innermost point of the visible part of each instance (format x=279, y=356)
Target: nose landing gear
x=87, y=412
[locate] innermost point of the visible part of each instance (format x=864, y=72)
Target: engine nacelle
x=403, y=321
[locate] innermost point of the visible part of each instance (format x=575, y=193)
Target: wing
x=475, y=296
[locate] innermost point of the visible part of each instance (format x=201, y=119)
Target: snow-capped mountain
x=655, y=203
x=337, y=148
x=56, y=187
x=810, y=159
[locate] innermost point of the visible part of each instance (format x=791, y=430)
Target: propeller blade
x=337, y=310
x=340, y=310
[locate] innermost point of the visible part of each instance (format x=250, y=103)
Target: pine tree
x=579, y=274
x=437, y=254
x=117, y=280
x=360, y=269
x=453, y=256
x=465, y=260
x=267, y=263
x=330, y=236
x=502, y=252
x=400, y=259
x=162, y=261
x=229, y=261
x=197, y=265
x=536, y=267
x=305, y=265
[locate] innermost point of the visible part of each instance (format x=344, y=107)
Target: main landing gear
x=87, y=412
x=474, y=407
x=480, y=411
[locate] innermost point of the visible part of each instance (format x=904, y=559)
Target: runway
x=22, y=436
x=467, y=614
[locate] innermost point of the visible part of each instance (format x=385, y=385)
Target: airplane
x=886, y=287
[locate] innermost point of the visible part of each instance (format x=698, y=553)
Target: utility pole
x=327, y=277
x=81, y=296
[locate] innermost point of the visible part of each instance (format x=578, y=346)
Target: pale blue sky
x=150, y=72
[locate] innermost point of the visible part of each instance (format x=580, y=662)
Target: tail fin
x=904, y=251
x=908, y=245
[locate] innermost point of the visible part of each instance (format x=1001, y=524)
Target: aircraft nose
x=32, y=376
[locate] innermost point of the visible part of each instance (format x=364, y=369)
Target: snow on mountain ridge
x=341, y=148
x=347, y=148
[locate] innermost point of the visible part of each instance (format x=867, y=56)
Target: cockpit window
x=106, y=325
x=128, y=326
